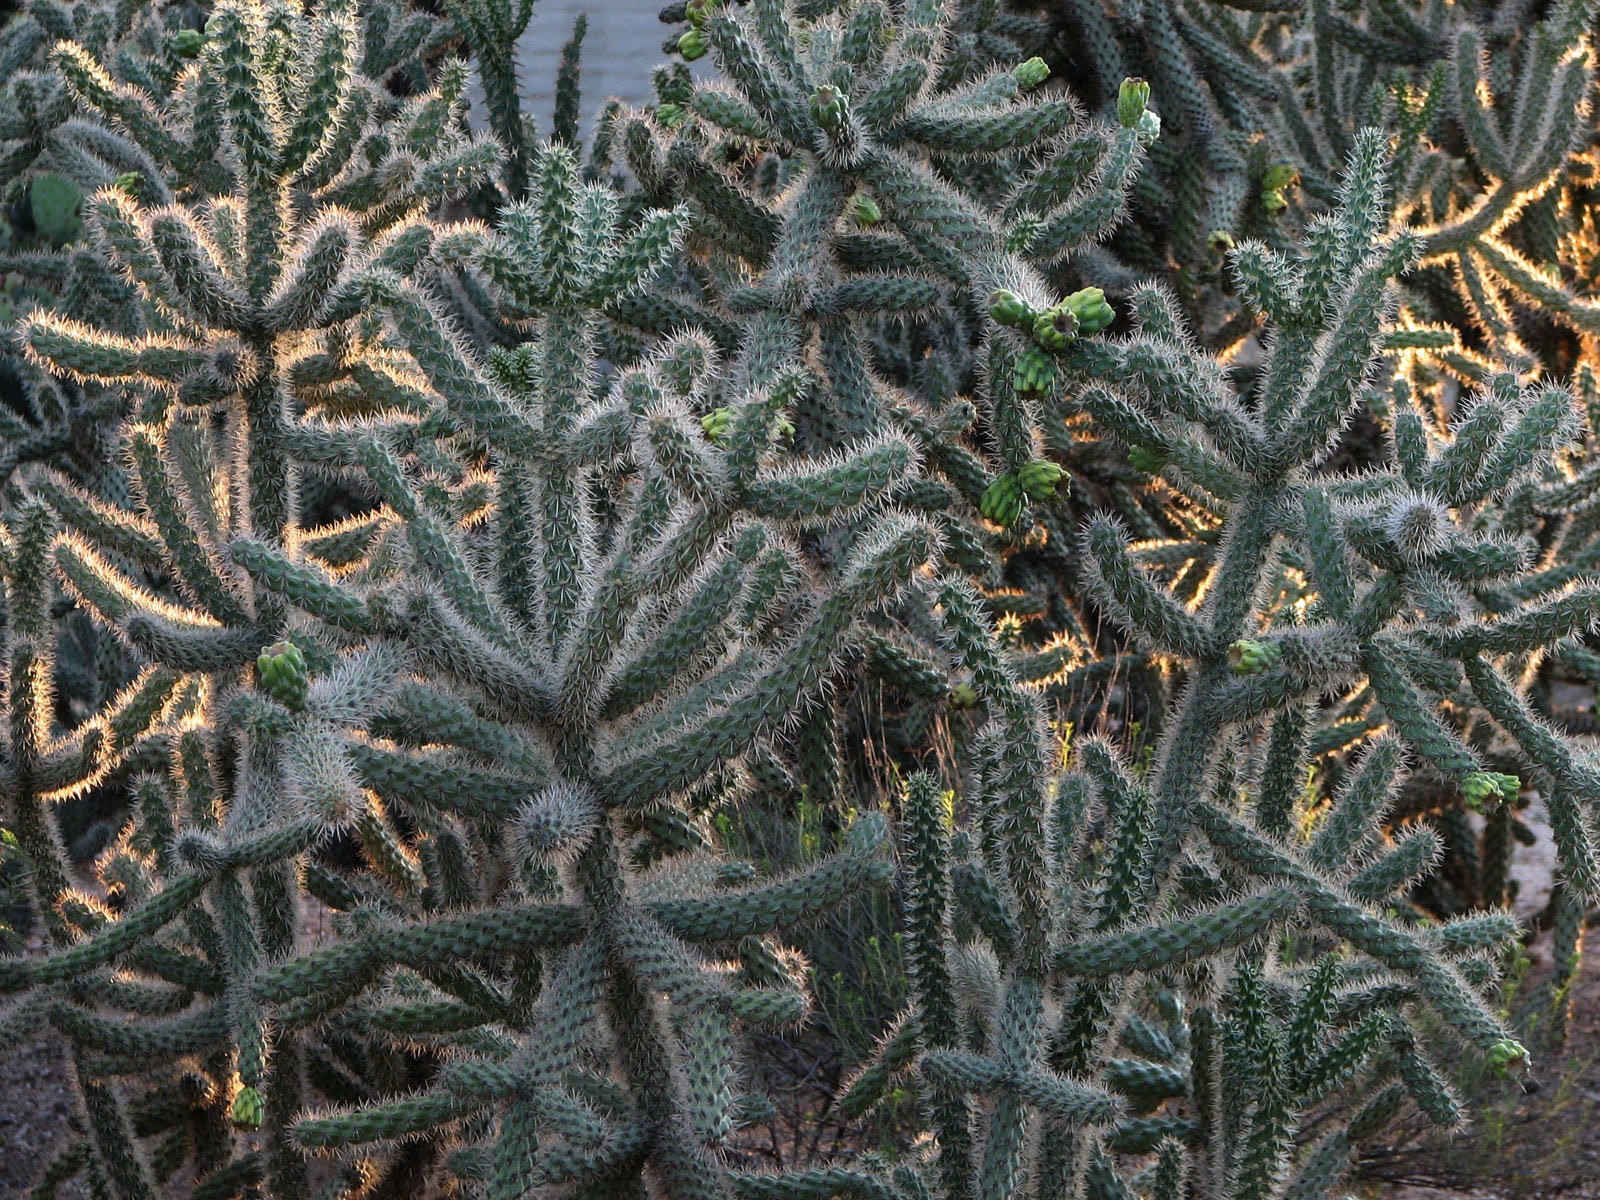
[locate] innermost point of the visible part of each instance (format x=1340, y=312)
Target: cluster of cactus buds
x=1249, y=656
x=1004, y=499
x=1485, y=790
x=692, y=42
x=281, y=668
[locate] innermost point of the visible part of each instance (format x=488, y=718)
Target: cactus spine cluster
x=428, y=545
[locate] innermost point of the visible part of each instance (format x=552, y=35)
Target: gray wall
x=621, y=46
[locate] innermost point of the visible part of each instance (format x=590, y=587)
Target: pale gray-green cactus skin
x=629, y=503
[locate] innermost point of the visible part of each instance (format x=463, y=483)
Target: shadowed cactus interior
x=1100, y=504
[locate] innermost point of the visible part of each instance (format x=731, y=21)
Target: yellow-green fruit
x=1509, y=1057
x=187, y=43
x=284, y=677
x=1039, y=478
x=1008, y=308
x=717, y=423
x=1250, y=657
x=1090, y=307
x=249, y=1107
x=963, y=695
x=692, y=45
x=1148, y=461
x=1486, y=789
x=1002, y=500
x=829, y=106
x=1056, y=328
x=1034, y=372
x=1279, y=176
x=1132, y=99
x=1031, y=73
x=864, y=210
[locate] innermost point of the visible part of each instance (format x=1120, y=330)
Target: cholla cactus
x=994, y=935
x=862, y=180
x=469, y=579
x=293, y=195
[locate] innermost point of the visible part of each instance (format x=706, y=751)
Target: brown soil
x=36, y=1104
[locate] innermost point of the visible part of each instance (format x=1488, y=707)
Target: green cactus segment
x=282, y=670
x=56, y=202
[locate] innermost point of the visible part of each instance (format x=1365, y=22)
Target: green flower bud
x=249, y=1107
x=187, y=43
x=284, y=677
x=1219, y=241
x=1031, y=73
x=717, y=423
x=1008, y=308
x=129, y=182
x=1034, y=372
x=1056, y=328
x=1148, y=128
x=1279, y=176
x=1133, y=98
x=1002, y=500
x=864, y=210
x=670, y=115
x=1247, y=656
x=829, y=108
x=692, y=45
x=1273, y=202
x=1091, y=309
x=1148, y=461
x=699, y=10
x=1487, y=789
x=1039, y=478
x=963, y=695
x=1509, y=1057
